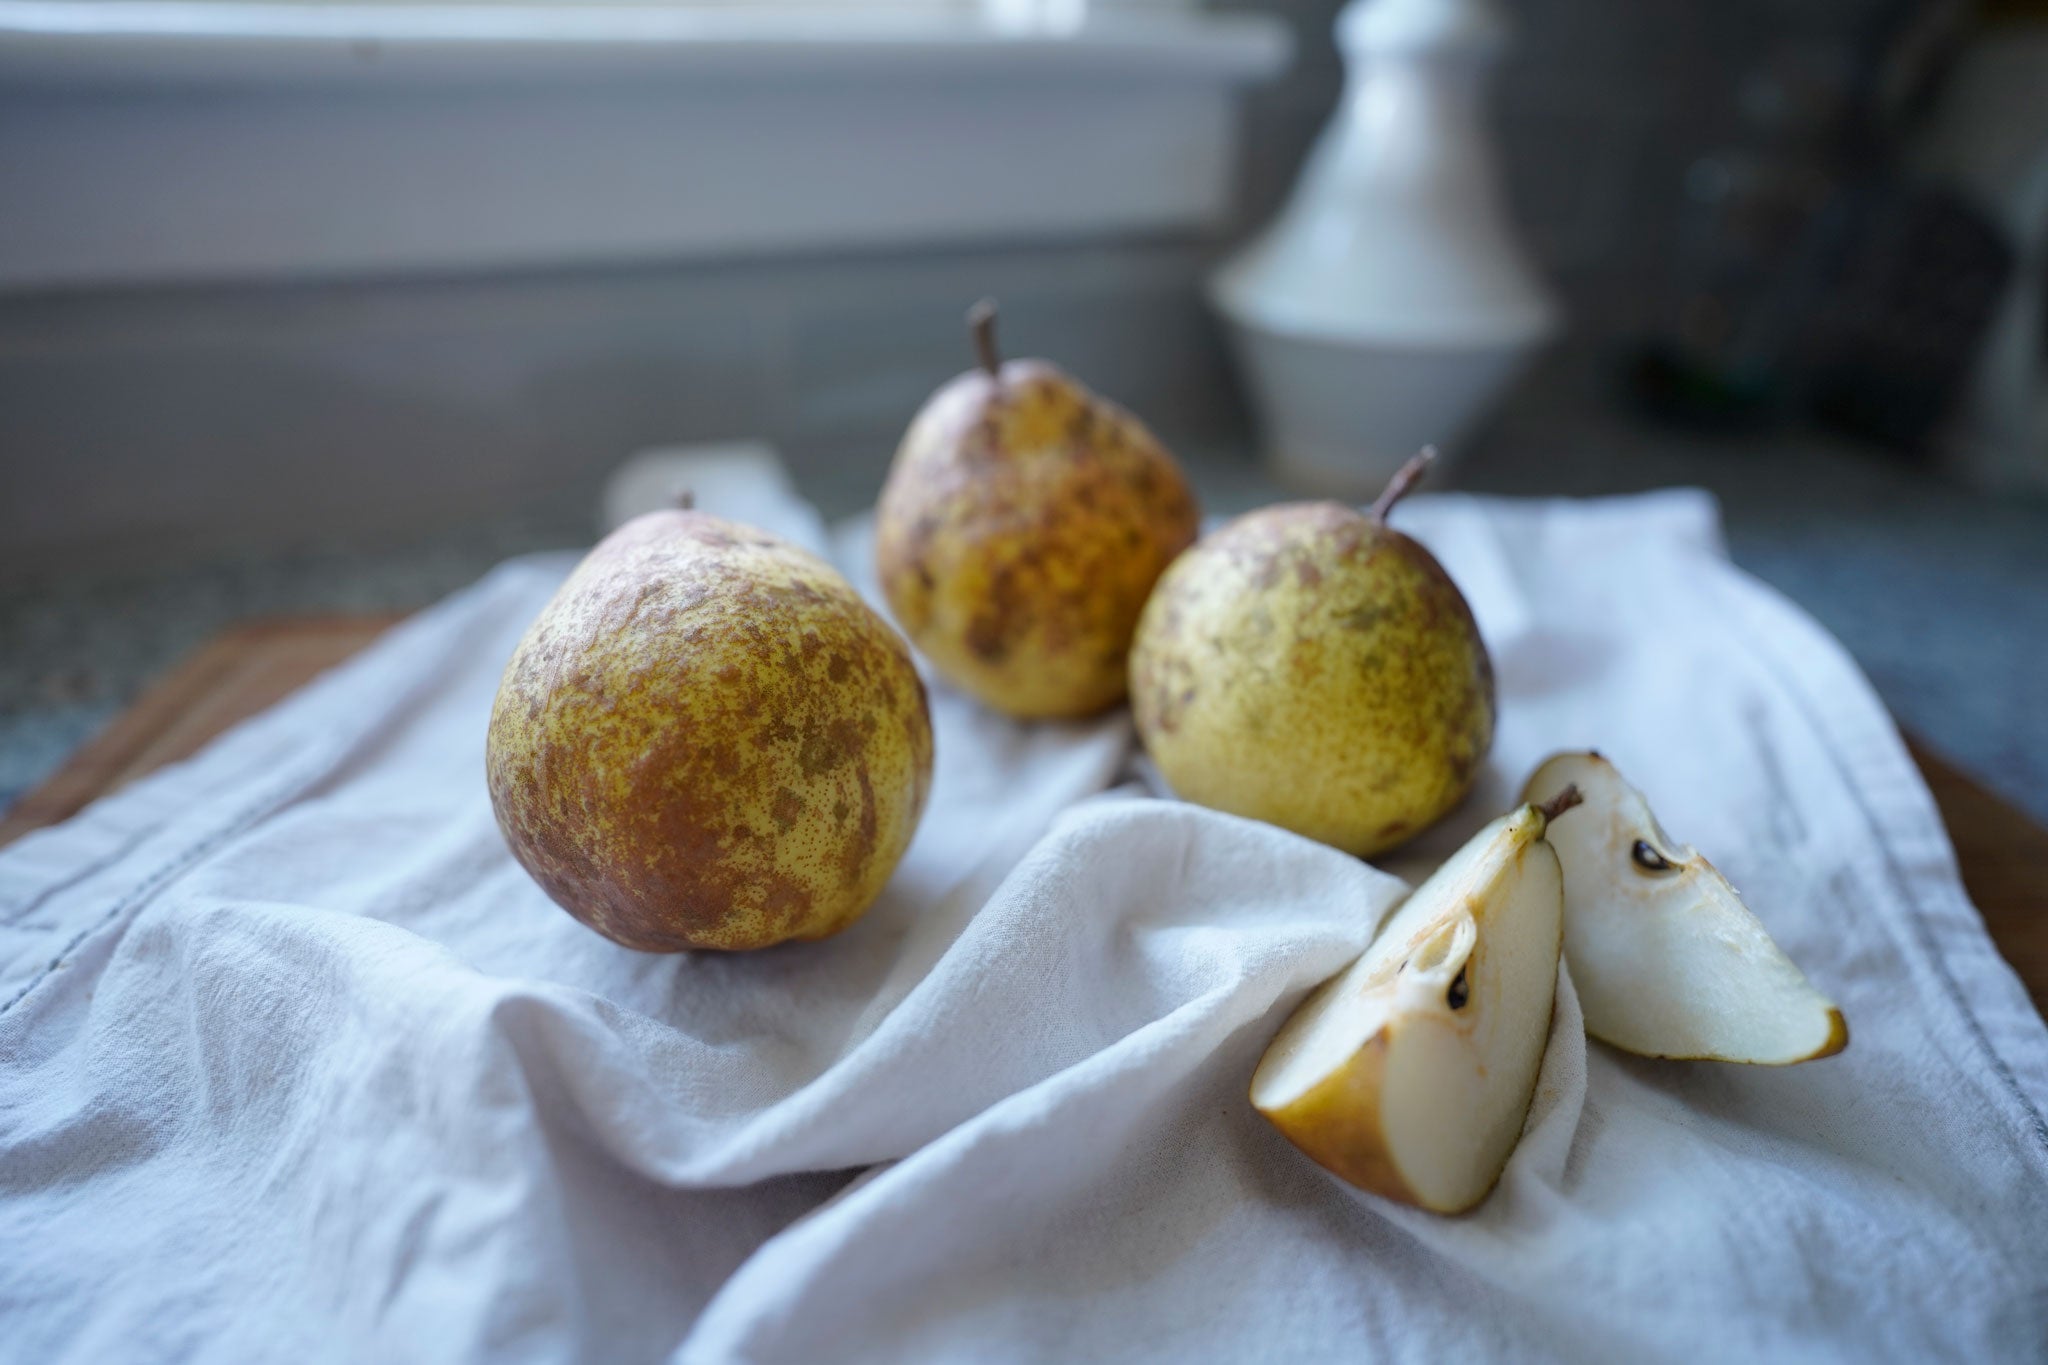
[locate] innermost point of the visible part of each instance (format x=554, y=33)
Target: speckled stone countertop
x=1941, y=594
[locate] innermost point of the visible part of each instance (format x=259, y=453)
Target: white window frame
x=151, y=141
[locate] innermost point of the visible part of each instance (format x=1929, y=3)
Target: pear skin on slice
x=1667, y=959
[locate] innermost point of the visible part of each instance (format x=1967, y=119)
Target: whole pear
x=1024, y=522
x=1310, y=666
x=707, y=740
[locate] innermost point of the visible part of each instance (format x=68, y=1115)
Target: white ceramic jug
x=1389, y=303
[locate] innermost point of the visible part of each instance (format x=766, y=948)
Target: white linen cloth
x=297, y=1064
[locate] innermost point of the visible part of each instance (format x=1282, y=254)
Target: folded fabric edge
x=95, y=869
x=1980, y=985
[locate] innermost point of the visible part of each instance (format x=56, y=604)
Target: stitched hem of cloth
x=413, y=656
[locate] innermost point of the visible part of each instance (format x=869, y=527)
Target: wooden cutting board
x=229, y=678
x=2003, y=852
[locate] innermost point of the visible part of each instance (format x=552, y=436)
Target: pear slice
x=1667, y=959
x=1411, y=1072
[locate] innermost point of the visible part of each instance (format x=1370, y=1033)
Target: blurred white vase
x=1389, y=303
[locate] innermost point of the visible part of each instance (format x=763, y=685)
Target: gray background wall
x=142, y=425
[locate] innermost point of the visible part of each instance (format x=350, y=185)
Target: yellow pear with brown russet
x=707, y=740
x=1310, y=666
x=1023, y=524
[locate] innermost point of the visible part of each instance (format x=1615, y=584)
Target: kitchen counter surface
x=1941, y=594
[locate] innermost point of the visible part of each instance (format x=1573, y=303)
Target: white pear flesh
x=1667, y=960
x=1410, y=1073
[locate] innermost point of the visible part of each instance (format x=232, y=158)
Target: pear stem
x=1405, y=478
x=1560, y=803
x=981, y=324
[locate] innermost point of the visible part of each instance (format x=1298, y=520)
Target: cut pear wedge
x=1667, y=960
x=1411, y=1072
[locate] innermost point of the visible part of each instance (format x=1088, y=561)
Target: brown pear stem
x=1405, y=478
x=981, y=324
x=686, y=501
x=1560, y=803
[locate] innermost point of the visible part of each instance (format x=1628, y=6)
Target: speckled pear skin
x=707, y=740
x=1023, y=524
x=1309, y=666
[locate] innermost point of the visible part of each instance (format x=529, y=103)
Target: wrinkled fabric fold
x=295, y=1061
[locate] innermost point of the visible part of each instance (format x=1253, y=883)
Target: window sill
x=175, y=142
x=171, y=43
